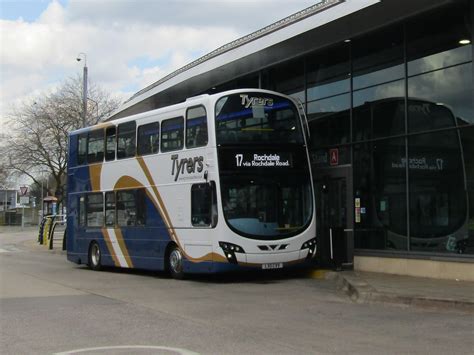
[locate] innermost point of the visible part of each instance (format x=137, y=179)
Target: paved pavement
x=362, y=287
x=369, y=287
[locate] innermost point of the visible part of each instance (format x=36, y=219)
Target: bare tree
x=39, y=140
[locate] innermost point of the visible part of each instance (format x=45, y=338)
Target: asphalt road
x=48, y=305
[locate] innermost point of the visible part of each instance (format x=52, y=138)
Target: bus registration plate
x=272, y=266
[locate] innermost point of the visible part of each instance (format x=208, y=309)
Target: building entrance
x=333, y=189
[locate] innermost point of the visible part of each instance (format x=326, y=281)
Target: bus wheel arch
x=174, y=259
x=94, y=256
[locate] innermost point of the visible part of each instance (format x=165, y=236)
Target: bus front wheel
x=175, y=263
x=95, y=257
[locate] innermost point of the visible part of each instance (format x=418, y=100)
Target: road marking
x=129, y=347
x=9, y=249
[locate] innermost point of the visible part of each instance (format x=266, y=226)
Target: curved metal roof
x=287, y=21
x=244, y=55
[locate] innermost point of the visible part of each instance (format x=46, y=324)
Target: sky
x=129, y=44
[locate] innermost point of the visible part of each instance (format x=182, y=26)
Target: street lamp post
x=84, y=87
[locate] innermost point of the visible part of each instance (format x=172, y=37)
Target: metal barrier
x=58, y=233
x=52, y=228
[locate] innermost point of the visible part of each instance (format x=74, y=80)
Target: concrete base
x=414, y=267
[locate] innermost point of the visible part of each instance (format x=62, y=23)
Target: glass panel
x=172, y=132
x=332, y=129
x=110, y=208
x=378, y=57
x=440, y=60
x=287, y=79
x=196, y=127
x=258, y=118
x=126, y=140
x=329, y=106
x=379, y=111
x=82, y=149
x=438, y=198
x=141, y=207
x=148, y=139
x=328, y=72
x=467, y=139
x=380, y=195
x=425, y=115
x=126, y=208
x=432, y=44
x=379, y=77
x=451, y=87
x=328, y=90
x=95, y=210
x=327, y=157
x=201, y=205
x=393, y=90
x=110, y=143
x=95, y=146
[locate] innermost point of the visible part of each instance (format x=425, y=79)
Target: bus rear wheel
x=175, y=263
x=95, y=257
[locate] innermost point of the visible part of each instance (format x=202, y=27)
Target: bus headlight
x=311, y=245
x=230, y=250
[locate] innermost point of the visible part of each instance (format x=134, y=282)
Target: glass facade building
x=388, y=90
x=392, y=133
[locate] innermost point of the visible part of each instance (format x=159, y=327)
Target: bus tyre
x=95, y=257
x=175, y=263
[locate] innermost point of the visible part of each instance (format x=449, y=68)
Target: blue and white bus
x=219, y=182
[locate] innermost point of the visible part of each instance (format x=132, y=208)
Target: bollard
x=47, y=229
x=44, y=238
x=41, y=229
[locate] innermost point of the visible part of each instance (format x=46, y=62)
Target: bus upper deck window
x=172, y=132
x=82, y=149
x=95, y=146
x=126, y=140
x=148, y=139
x=196, y=127
x=110, y=143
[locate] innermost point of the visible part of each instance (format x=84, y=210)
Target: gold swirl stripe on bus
x=167, y=220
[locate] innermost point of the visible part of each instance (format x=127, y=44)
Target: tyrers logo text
x=186, y=165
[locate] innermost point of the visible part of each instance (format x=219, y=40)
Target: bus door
x=334, y=219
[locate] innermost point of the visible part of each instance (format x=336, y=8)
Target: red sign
x=23, y=190
x=334, y=156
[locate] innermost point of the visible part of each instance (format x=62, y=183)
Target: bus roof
x=191, y=101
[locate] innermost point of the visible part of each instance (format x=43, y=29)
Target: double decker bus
x=217, y=183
